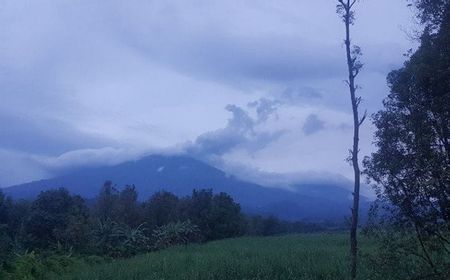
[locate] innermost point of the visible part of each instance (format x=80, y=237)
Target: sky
x=253, y=87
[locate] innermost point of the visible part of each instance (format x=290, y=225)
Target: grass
x=305, y=257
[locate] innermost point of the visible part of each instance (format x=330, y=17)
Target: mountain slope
x=180, y=175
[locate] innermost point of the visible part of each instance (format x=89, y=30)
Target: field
x=305, y=257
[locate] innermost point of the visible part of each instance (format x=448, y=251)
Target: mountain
x=181, y=174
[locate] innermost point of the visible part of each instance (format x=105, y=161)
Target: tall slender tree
x=353, y=53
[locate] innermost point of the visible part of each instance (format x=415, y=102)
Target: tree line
x=116, y=224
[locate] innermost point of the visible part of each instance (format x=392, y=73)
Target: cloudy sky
x=246, y=85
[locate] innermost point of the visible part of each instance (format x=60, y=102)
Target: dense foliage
x=55, y=229
x=411, y=167
x=431, y=12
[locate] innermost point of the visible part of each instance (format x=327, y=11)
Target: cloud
x=244, y=61
x=288, y=180
x=42, y=136
x=299, y=95
x=18, y=167
x=242, y=131
x=296, y=180
x=89, y=157
x=94, y=81
x=312, y=124
x=264, y=108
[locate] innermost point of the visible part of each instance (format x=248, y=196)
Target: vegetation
x=57, y=229
x=411, y=167
x=60, y=235
x=312, y=257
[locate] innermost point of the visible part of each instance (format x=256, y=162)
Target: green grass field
x=308, y=257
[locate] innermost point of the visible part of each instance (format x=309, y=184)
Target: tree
x=5, y=233
x=106, y=205
x=345, y=10
x=198, y=210
x=17, y=215
x=226, y=218
x=5, y=208
x=217, y=216
x=431, y=12
x=128, y=207
x=411, y=167
x=162, y=208
x=57, y=217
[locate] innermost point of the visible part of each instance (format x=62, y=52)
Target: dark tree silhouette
x=129, y=210
x=431, y=12
x=106, y=206
x=161, y=209
x=56, y=217
x=345, y=10
x=411, y=167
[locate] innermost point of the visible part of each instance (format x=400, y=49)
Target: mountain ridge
x=182, y=174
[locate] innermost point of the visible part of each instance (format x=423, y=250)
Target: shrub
x=116, y=240
x=180, y=233
x=135, y=240
x=27, y=266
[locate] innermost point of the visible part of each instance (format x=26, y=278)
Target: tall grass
x=305, y=257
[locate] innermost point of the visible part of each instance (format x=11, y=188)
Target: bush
x=27, y=266
x=400, y=254
x=135, y=240
x=172, y=234
x=116, y=240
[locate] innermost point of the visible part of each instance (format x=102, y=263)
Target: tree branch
x=363, y=118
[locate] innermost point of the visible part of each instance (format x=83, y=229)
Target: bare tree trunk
x=345, y=8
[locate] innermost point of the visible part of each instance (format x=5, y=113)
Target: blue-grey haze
x=254, y=87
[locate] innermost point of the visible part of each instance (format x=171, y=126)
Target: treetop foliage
x=431, y=12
